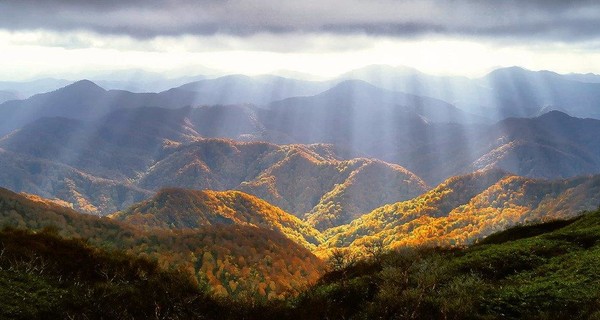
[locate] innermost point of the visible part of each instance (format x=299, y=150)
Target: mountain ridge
x=465, y=209
x=219, y=257
x=177, y=208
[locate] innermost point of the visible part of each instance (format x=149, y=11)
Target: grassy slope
x=547, y=271
x=44, y=276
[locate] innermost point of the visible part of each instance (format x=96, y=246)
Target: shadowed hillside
x=44, y=276
x=147, y=149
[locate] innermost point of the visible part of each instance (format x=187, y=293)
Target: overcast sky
x=322, y=37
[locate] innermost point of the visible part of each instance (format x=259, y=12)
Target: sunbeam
x=200, y=159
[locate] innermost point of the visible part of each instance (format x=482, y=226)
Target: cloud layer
x=555, y=20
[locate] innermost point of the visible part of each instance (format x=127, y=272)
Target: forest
x=59, y=264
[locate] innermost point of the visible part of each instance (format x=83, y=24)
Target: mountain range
x=248, y=183
x=412, y=131
x=504, y=92
x=241, y=246
x=143, y=149
x=165, y=150
x=190, y=209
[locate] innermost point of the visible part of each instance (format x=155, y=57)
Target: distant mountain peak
x=514, y=68
x=84, y=85
x=555, y=114
x=354, y=85
x=508, y=70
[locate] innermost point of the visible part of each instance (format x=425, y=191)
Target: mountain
x=258, y=90
x=503, y=93
x=537, y=147
x=464, y=93
x=552, y=266
x=83, y=100
x=90, y=165
x=238, y=122
x=521, y=92
x=465, y=209
x=80, y=100
x=297, y=178
x=553, y=145
x=119, y=146
x=506, y=92
x=74, y=100
x=386, y=222
x=243, y=262
x=587, y=77
x=181, y=209
x=370, y=183
x=151, y=148
x=332, y=193
x=359, y=98
x=391, y=126
x=125, y=142
x=83, y=191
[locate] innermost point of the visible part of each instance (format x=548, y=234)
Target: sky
x=323, y=38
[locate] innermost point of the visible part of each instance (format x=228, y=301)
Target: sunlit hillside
x=189, y=209
x=465, y=209
x=540, y=271
x=297, y=178
x=229, y=260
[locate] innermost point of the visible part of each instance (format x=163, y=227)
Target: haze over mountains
x=506, y=92
x=298, y=178
x=228, y=173
x=502, y=93
x=87, y=138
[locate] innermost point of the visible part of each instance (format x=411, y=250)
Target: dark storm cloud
x=551, y=19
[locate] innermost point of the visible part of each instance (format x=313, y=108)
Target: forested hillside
x=218, y=257
x=527, y=272
x=465, y=209
x=190, y=209
x=547, y=271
